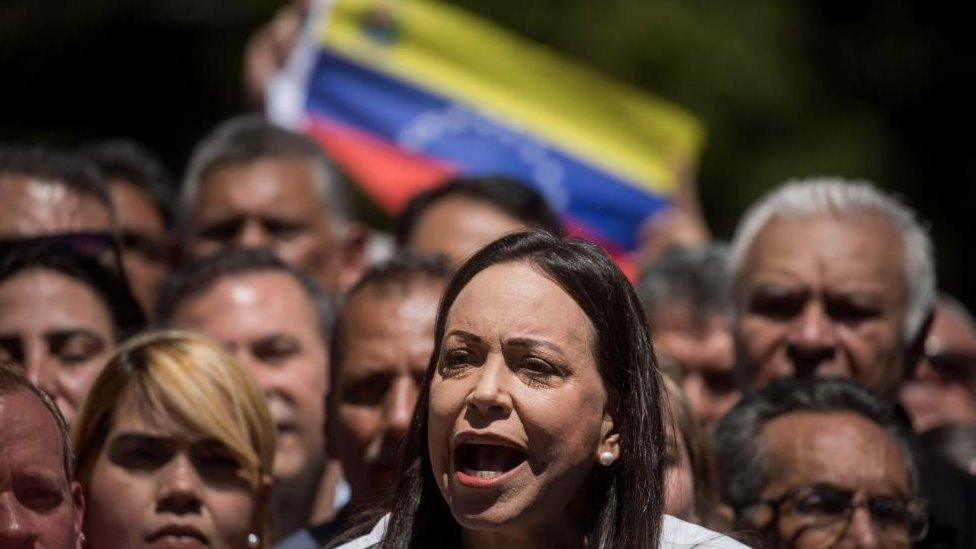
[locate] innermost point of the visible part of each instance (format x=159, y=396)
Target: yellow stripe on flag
x=444, y=49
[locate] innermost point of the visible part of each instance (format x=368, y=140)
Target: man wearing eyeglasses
x=942, y=390
x=819, y=463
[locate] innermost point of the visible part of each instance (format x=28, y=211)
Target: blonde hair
x=191, y=381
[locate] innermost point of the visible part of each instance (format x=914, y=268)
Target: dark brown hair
x=625, y=502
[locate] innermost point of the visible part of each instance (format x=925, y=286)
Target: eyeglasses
x=826, y=507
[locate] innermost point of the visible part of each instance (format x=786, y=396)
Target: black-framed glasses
x=822, y=506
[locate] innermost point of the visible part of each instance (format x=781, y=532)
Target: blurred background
x=875, y=90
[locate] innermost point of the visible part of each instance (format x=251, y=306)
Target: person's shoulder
x=372, y=538
x=678, y=534
x=675, y=534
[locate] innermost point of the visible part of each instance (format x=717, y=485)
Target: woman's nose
x=40, y=370
x=179, y=490
x=490, y=396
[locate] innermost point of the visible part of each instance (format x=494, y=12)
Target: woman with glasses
x=539, y=421
x=174, y=448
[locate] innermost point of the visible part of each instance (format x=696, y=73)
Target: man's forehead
x=828, y=249
x=31, y=206
x=843, y=448
x=28, y=428
x=262, y=298
x=263, y=184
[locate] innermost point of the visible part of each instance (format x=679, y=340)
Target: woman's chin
x=481, y=500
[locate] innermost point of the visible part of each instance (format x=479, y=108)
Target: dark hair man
x=40, y=503
x=253, y=185
x=141, y=194
x=464, y=214
x=687, y=296
x=833, y=278
x=819, y=463
x=275, y=320
x=942, y=390
x=43, y=191
x=383, y=340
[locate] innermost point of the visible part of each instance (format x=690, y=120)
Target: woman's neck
x=562, y=534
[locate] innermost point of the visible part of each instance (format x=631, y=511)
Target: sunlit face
x=824, y=296
x=703, y=350
x=38, y=508
x=268, y=203
x=267, y=321
x=156, y=485
x=142, y=232
x=57, y=331
x=31, y=207
x=943, y=388
x=843, y=451
x=518, y=410
x=457, y=227
x=679, y=480
x=386, y=344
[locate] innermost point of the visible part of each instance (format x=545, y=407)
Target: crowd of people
x=237, y=365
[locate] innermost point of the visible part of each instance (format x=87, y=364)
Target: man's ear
x=609, y=438
x=353, y=254
x=915, y=348
x=78, y=511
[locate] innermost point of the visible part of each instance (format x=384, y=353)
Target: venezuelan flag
x=405, y=93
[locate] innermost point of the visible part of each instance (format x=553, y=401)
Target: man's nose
x=252, y=234
x=15, y=530
x=179, y=488
x=812, y=341
x=399, y=405
x=694, y=388
x=861, y=530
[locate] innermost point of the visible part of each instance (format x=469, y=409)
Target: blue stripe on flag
x=426, y=124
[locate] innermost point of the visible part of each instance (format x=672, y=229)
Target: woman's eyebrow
x=533, y=343
x=465, y=335
x=141, y=438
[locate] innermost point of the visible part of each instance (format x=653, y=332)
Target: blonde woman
x=174, y=447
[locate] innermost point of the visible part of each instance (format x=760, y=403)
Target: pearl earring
x=606, y=458
x=82, y=538
x=253, y=540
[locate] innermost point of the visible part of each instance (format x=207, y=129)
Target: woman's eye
x=143, y=454
x=457, y=357
x=539, y=367
x=215, y=463
x=537, y=371
x=77, y=348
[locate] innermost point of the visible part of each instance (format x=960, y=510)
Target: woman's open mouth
x=482, y=464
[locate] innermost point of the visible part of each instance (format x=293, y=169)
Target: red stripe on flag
x=389, y=175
